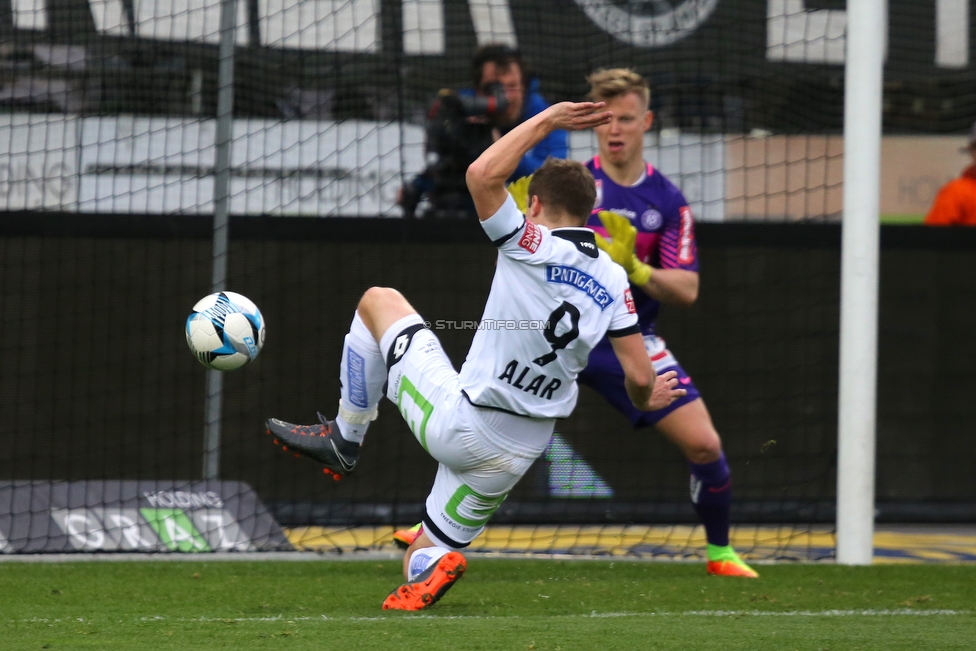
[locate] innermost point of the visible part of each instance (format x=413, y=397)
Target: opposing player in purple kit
x=652, y=237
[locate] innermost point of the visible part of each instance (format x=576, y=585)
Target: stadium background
x=108, y=182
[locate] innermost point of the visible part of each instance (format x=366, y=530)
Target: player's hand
x=519, y=189
x=576, y=116
x=620, y=248
x=664, y=392
x=622, y=234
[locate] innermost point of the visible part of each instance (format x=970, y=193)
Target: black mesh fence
x=97, y=383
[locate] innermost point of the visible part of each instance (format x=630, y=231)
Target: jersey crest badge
x=651, y=220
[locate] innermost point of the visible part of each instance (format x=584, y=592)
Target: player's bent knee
x=376, y=297
x=380, y=308
x=381, y=303
x=706, y=450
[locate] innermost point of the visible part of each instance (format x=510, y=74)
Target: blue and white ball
x=225, y=331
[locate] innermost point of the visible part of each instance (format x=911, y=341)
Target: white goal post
x=857, y=398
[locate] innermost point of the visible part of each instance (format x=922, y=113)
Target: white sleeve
x=623, y=321
x=514, y=235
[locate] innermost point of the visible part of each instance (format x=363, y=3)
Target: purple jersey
x=665, y=227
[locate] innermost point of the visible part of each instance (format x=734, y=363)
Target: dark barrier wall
x=96, y=381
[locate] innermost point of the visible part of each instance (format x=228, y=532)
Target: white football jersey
x=553, y=298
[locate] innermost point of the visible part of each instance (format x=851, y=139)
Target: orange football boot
x=428, y=587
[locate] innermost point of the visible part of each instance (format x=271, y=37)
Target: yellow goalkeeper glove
x=620, y=248
x=519, y=190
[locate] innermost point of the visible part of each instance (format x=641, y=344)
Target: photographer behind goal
x=463, y=124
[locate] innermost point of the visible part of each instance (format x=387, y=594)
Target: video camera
x=458, y=130
x=492, y=103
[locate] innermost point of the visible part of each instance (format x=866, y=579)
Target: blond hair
x=617, y=82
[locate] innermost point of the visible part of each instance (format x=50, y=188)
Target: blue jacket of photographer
x=556, y=144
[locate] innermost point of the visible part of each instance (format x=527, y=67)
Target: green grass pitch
x=499, y=604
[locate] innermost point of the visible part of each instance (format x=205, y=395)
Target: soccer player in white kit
x=553, y=298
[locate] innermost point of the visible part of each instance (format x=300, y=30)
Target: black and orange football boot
x=322, y=443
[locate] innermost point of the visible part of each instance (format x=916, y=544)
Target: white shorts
x=475, y=474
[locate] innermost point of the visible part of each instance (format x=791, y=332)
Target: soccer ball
x=225, y=331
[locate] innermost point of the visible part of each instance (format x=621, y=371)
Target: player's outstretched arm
x=672, y=286
x=647, y=390
x=487, y=175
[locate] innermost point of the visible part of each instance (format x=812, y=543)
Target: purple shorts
x=604, y=374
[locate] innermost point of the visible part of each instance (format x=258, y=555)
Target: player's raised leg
x=362, y=373
x=690, y=428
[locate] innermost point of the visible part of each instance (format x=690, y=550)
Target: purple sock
x=711, y=493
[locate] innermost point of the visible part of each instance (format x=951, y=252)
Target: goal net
x=107, y=170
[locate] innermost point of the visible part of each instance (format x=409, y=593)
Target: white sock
x=362, y=374
x=423, y=558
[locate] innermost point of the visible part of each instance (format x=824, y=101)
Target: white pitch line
x=206, y=557
x=884, y=612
